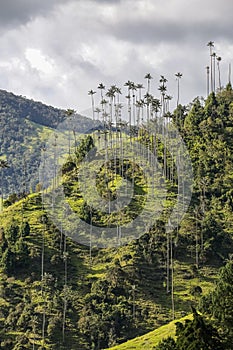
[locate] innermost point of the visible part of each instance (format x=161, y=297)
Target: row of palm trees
x=211, y=70
x=114, y=92
x=134, y=118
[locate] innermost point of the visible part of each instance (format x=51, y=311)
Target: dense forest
x=57, y=293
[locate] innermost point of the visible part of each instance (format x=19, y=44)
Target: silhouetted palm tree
x=69, y=113
x=140, y=87
x=214, y=61
x=219, y=73
x=91, y=93
x=178, y=77
x=3, y=165
x=208, y=79
x=101, y=87
x=229, y=74
x=148, y=77
x=211, y=45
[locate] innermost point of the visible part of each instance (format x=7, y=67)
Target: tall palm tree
x=229, y=78
x=211, y=45
x=148, y=98
x=133, y=88
x=130, y=85
x=178, y=77
x=148, y=77
x=162, y=88
x=91, y=93
x=101, y=87
x=156, y=105
x=64, y=256
x=98, y=110
x=171, y=264
x=118, y=92
x=69, y=114
x=168, y=98
x=208, y=79
x=162, y=79
x=140, y=87
x=196, y=213
x=3, y=165
x=214, y=61
x=219, y=73
x=43, y=244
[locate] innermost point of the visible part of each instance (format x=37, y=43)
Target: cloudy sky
x=56, y=50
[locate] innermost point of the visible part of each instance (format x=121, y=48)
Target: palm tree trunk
x=219, y=77
x=172, y=280
x=208, y=80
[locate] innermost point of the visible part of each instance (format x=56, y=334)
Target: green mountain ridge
x=58, y=294
x=25, y=126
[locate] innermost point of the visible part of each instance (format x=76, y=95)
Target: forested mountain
x=56, y=293
x=24, y=128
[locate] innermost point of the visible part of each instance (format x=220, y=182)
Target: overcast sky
x=56, y=50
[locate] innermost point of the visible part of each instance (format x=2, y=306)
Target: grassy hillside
x=112, y=272
x=151, y=339
x=58, y=294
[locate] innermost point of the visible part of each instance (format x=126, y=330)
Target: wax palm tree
x=139, y=105
x=3, y=165
x=129, y=85
x=178, y=77
x=98, y=110
x=211, y=45
x=101, y=87
x=43, y=243
x=140, y=87
x=170, y=268
x=133, y=88
x=65, y=258
x=162, y=88
x=156, y=105
x=229, y=74
x=208, y=79
x=219, y=73
x=91, y=93
x=162, y=79
x=118, y=92
x=214, y=61
x=196, y=213
x=167, y=98
x=148, y=99
x=69, y=114
x=148, y=77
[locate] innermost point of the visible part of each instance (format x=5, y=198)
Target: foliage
x=166, y=344
x=218, y=303
x=197, y=334
x=118, y=293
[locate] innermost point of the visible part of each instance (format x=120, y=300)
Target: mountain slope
x=25, y=125
x=93, y=298
x=150, y=340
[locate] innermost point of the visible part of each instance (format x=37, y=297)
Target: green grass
x=151, y=339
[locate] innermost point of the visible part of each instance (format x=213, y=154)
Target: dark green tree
x=197, y=334
x=166, y=344
x=218, y=304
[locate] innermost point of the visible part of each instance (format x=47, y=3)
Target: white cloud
x=40, y=62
